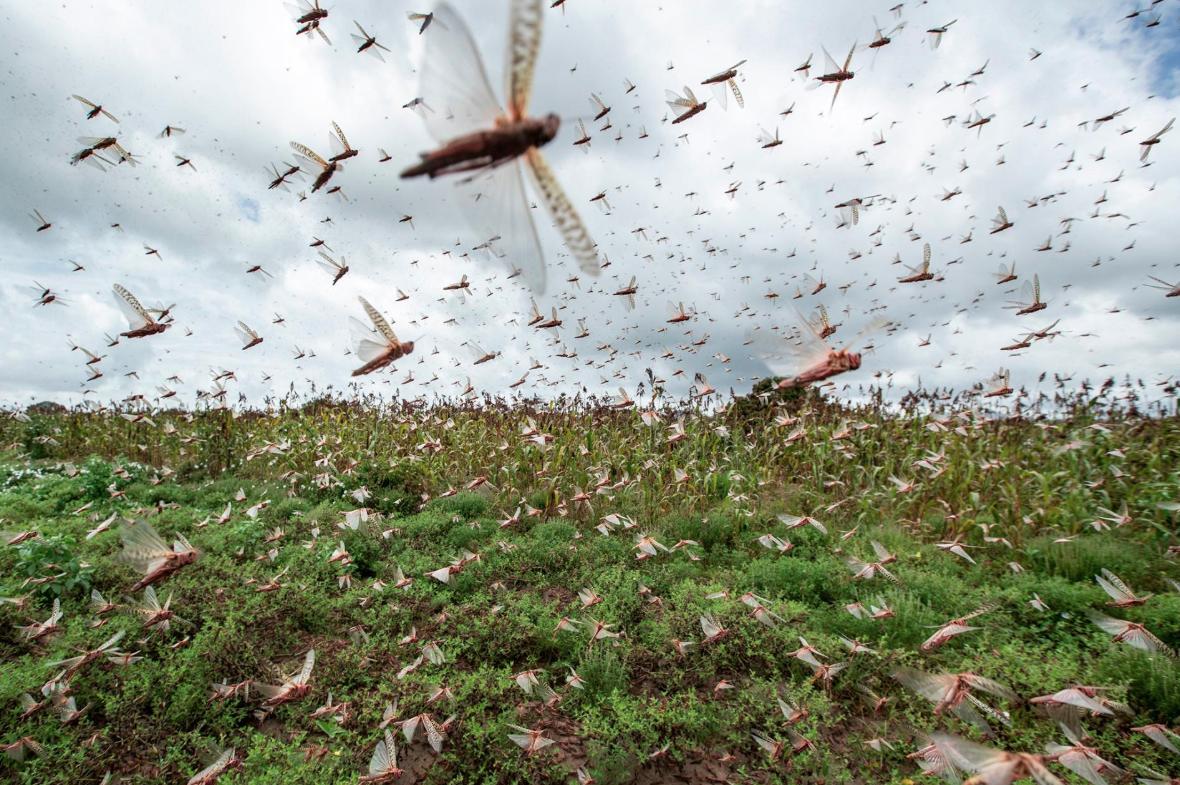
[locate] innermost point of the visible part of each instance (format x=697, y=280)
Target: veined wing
x=343, y=138
x=112, y=641
x=453, y=80
x=1108, y=624
x=569, y=223
x=299, y=8
x=245, y=333
x=433, y=733
x=495, y=204
x=879, y=323
x=380, y=760
x=384, y=756
x=830, y=66
x=524, y=41
x=963, y=754
x=476, y=350
x=721, y=93
x=709, y=626
x=930, y=687
x=378, y=320
x=1118, y=590
x=366, y=342
x=329, y=264
x=1078, y=762
x=305, y=673
x=309, y=154
x=787, y=352
x=335, y=144
x=848, y=60
x=737, y=93
x=129, y=304
x=677, y=101
x=268, y=691
x=410, y=727
x=975, y=712
x=819, y=324
x=521, y=740
x=1029, y=293
x=150, y=601
x=770, y=746
x=992, y=686
x=142, y=545
x=215, y=766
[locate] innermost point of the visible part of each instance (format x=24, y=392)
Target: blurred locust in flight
x=479, y=137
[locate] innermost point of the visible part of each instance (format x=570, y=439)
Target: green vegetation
x=552, y=501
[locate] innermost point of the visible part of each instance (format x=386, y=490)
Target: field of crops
x=572, y=592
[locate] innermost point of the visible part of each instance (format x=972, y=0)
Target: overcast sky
x=243, y=85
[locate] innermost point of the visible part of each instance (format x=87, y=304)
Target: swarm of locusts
x=976, y=586
x=773, y=589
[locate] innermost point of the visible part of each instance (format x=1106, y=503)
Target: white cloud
x=243, y=85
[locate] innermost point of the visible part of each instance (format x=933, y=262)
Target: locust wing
x=337, y=141
x=137, y=315
x=310, y=155
x=378, y=321
x=216, y=766
x=874, y=325
x=384, y=756
x=453, y=80
x=787, y=353
x=569, y=223
x=524, y=41
x=305, y=672
x=143, y=548
x=434, y=735
x=495, y=204
x=367, y=343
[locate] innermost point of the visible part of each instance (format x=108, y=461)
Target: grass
x=1032, y=488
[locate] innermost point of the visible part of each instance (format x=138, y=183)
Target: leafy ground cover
x=651, y=524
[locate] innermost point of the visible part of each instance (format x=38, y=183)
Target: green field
x=538, y=505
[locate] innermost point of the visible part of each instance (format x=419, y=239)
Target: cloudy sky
x=243, y=85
